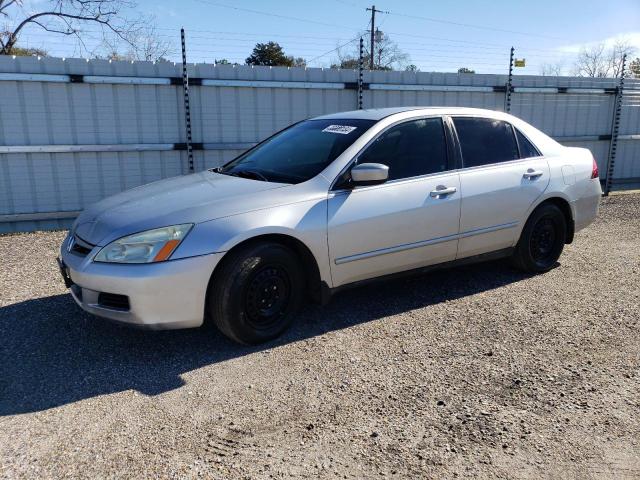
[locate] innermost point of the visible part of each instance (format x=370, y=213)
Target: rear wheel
x=542, y=240
x=255, y=293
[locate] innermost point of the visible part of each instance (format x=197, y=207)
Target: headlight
x=145, y=247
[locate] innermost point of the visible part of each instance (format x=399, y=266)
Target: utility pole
x=373, y=32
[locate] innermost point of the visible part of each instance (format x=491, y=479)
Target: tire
x=542, y=240
x=256, y=292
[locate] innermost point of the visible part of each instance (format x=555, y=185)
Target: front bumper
x=164, y=295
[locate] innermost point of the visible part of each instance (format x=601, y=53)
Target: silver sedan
x=324, y=204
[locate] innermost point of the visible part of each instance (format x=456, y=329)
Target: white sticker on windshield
x=342, y=129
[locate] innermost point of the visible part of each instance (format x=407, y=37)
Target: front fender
x=304, y=221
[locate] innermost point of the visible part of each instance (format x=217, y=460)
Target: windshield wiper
x=251, y=174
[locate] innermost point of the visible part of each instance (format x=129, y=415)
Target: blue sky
x=437, y=35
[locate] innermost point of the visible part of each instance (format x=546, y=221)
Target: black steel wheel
x=255, y=292
x=542, y=239
x=267, y=296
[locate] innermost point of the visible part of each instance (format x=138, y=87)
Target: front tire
x=542, y=240
x=256, y=293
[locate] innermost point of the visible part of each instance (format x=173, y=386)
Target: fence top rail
x=98, y=67
x=217, y=82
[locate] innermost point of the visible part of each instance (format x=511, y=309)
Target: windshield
x=299, y=152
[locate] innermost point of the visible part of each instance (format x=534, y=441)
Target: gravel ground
x=475, y=372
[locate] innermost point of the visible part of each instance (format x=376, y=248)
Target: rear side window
x=527, y=150
x=413, y=148
x=484, y=141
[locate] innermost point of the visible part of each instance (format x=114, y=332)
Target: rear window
x=484, y=141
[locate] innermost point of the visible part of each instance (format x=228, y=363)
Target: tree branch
x=4, y=6
x=66, y=17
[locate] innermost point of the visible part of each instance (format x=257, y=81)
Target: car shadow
x=53, y=354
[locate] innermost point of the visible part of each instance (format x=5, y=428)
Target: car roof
x=380, y=113
x=544, y=143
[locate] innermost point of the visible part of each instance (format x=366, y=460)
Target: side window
x=485, y=141
x=413, y=148
x=527, y=150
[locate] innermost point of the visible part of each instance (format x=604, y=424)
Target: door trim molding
x=495, y=228
x=423, y=243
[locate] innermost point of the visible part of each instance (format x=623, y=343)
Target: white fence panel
x=75, y=131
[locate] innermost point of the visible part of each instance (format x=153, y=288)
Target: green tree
x=271, y=54
x=465, y=70
x=299, y=62
x=224, y=61
x=634, y=67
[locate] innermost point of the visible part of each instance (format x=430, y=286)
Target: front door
x=408, y=222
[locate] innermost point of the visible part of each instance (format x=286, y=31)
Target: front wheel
x=255, y=293
x=542, y=240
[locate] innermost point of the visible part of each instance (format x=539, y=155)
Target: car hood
x=187, y=199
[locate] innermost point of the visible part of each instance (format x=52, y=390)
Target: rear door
x=404, y=223
x=502, y=176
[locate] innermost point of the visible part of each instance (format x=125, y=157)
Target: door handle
x=531, y=173
x=441, y=190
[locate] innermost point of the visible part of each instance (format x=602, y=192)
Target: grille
x=80, y=247
x=113, y=301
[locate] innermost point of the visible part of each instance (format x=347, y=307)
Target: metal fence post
x=360, y=67
x=615, y=129
x=507, y=95
x=187, y=108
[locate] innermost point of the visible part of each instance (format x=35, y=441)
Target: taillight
x=594, y=169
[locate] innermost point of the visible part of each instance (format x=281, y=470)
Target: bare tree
x=616, y=53
x=551, y=69
x=149, y=46
x=386, y=55
x=598, y=61
x=592, y=62
x=65, y=17
x=146, y=44
x=29, y=52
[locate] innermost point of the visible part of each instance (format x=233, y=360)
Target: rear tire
x=542, y=240
x=255, y=293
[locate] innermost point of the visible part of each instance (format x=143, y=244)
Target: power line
x=270, y=14
x=350, y=4
x=334, y=50
x=470, y=25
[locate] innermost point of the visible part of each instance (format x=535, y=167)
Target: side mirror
x=369, y=174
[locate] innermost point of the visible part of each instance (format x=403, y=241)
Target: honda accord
x=323, y=204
